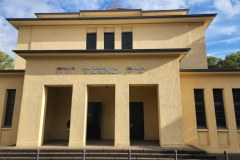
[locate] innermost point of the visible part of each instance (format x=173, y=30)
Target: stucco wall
x=161, y=71
x=8, y=136
x=154, y=36
x=211, y=139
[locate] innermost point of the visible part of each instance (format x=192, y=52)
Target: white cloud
x=8, y=37
x=222, y=53
x=197, y=2
x=227, y=41
x=156, y=4
x=229, y=7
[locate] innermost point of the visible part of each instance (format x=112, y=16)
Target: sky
x=222, y=36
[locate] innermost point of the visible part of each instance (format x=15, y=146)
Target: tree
x=231, y=61
x=6, y=62
x=213, y=61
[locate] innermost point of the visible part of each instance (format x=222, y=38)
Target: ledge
x=12, y=71
x=179, y=52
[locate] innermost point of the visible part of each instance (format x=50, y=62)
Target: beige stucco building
x=118, y=76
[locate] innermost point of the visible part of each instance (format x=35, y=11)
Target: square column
x=170, y=115
x=122, y=132
x=211, y=118
x=31, y=122
x=78, y=118
x=118, y=37
x=100, y=38
x=230, y=117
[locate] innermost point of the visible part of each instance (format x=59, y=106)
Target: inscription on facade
x=100, y=70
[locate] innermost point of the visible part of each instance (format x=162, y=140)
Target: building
x=118, y=75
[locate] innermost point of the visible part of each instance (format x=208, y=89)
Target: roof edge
x=109, y=18
x=15, y=71
x=209, y=70
x=104, y=51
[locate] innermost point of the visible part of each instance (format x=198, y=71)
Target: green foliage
x=6, y=62
x=231, y=61
x=213, y=61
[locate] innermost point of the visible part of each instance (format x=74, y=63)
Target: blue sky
x=222, y=36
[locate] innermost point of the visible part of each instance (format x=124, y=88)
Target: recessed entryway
x=57, y=115
x=101, y=115
x=143, y=112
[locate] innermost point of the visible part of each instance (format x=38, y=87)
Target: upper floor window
x=91, y=40
x=236, y=100
x=200, y=108
x=219, y=108
x=127, y=40
x=108, y=40
x=9, y=108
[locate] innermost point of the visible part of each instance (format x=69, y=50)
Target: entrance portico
x=117, y=87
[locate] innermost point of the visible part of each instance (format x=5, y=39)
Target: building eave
x=12, y=72
x=203, y=18
x=209, y=71
x=179, y=52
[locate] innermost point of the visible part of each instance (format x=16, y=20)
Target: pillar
x=230, y=117
x=211, y=118
x=100, y=38
x=122, y=132
x=170, y=115
x=118, y=38
x=78, y=118
x=32, y=115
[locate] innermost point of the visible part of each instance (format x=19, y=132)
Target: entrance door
x=136, y=121
x=94, y=120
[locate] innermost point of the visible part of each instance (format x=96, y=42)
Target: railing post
x=84, y=153
x=129, y=154
x=175, y=154
x=37, y=156
x=225, y=155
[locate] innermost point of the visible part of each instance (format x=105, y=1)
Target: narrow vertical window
x=91, y=41
x=108, y=40
x=236, y=100
x=9, y=108
x=127, y=40
x=219, y=108
x=200, y=108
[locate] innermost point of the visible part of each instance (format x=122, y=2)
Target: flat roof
x=194, y=18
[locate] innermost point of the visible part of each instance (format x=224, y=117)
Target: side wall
x=8, y=136
x=152, y=36
x=211, y=139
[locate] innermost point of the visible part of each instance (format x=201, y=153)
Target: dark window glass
x=108, y=40
x=9, y=108
x=127, y=40
x=200, y=108
x=236, y=100
x=91, y=41
x=219, y=108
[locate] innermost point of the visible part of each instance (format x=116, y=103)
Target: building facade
x=120, y=76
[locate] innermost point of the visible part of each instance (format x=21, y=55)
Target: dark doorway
x=94, y=120
x=136, y=121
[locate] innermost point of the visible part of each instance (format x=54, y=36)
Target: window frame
x=220, y=111
x=87, y=41
x=8, y=121
x=130, y=41
x=112, y=41
x=203, y=109
x=237, y=119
